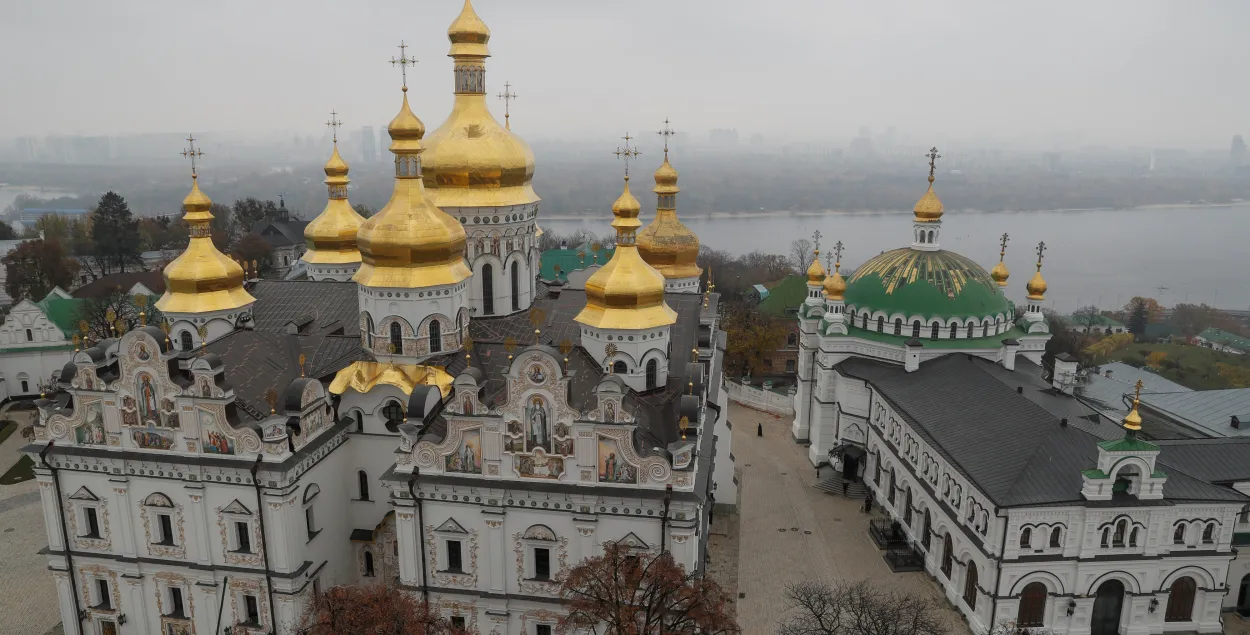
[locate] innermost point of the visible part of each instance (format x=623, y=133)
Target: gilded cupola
x=929, y=208
x=1037, y=284
x=202, y=279
x=410, y=242
x=999, y=273
x=626, y=293
x=472, y=161
x=835, y=285
x=666, y=243
x=331, y=236
x=815, y=272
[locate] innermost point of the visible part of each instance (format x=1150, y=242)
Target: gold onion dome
x=835, y=285
x=202, y=279
x=626, y=293
x=999, y=273
x=410, y=243
x=929, y=208
x=815, y=272
x=666, y=243
x=331, y=236
x=472, y=161
x=1037, y=286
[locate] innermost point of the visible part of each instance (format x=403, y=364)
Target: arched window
x=184, y=341
x=30, y=335
x=397, y=338
x=924, y=539
x=1121, y=528
x=1178, y=535
x=1032, y=605
x=619, y=368
x=1132, y=538
x=970, y=586
x=792, y=340
x=516, y=287
x=880, y=324
x=876, y=472
x=488, y=290
x=954, y=328
x=985, y=328
x=1026, y=538
x=360, y=421
x=863, y=320
x=652, y=369
x=970, y=325
x=933, y=335
x=930, y=235
x=1208, y=533
x=1181, y=600
x=898, y=326
x=948, y=557
x=890, y=494
x=436, y=336
x=362, y=480
x=393, y=411
x=1054, y=537
x=915, y=328
x=998, y=326
x=369, y=330
x=1106, y=537
x=907, y=507
x=368, y=564
x=921, y=237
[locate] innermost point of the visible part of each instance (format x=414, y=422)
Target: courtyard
x=27, y=594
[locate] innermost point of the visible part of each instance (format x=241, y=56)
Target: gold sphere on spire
x=201, y=278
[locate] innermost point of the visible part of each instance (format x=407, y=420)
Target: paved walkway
x=27, y=594
x=789, y=531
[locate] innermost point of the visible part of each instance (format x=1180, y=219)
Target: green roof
x=555, y=264
x=63, y=312
x=1227, y=339
x=1097, y=320
x=785, y=297
x=930, y=284
x=1127, y=444
x=27, y=349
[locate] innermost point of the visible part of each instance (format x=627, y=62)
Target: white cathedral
x=422, y=411
x=919, y=386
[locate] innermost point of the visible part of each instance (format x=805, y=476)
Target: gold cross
x=1041, y=247
x=1137, y=397
x=507, y=96
x=666, y=132
x=192, y=153
x=627, y=152
x=837, y=250
x=404, y=62
x=334, y=124
x=933, y=157
x=816, y=240
x=1003, y=251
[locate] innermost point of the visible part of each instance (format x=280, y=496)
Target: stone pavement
x=27, y=594
x=790, y=531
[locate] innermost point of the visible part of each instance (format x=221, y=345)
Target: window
x=792, y=340
x=454, y=562
x=310, y=521
x=104, y=599
x=242, y=537
x=924, y=540
x=393, y=412
x=880, y=323
x=653, y=369
x=1208, y=533
x=1132, y=538
x=368, y=564
x=1181, y=600
x=92, y=524
x=898, y=326
x=970, y=330
x=876, y=472
x=436, y=336
x=360, y=421
x=1032, y=605
x=362, y=480
x=1121, y=528
x=915, y=328
x=166, y=524
x=175, y=602
x=488, y=290
x=369, y=330
x=790, y=368
x=542, y=564
x=1026, y=538
x=252, y=609
x=184, y=341
x=1106, y=537
x=516, y=287
x=542, y=629
x=25, y=386
x=1178, y=535
x=890, y=494
x=619, y=368
x=907, y=507
x=954, y=328
x=457, y=622
x=1054, y=537
x=30, y=335
x=933, y=335
x=863, y=320
x=970, y=586
x=948, y=558
x=397, y=338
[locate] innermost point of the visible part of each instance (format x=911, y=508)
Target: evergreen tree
x=1138, y=318
x=115, y=233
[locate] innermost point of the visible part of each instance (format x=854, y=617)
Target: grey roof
x=1010, y=444
x=257, y=361
x=1112, y=395
x=1214, y=460
x=279, y=233
x=316, y=308
x=1207, y=411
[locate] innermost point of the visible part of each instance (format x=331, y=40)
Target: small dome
x=202, y=279
x=670, y=246
x=815, y=272
x=405, y=129
x=336, y=166
x=331, y=236
x=929, y=208
x=925, y=284
x=666, y=178
x=468, y=33
x=835, y=286
x=1036, y=287
x=999, y=273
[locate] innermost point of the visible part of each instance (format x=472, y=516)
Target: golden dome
x=331, y=236
x=835, y=285
x=929, y=208
x=1037, y=286
x=1132, y=420
x=472, y=161
x=999, y=273
x=626, y=293
x=815, y=272
x=666, y=243
x=202, y=279
x=410, y=243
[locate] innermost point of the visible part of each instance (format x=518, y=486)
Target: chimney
x=1235, y=422
x=1108, y=373
x=1063, y=423
x=1064, y=376
x=1019, y=390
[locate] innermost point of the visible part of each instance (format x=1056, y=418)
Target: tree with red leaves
x=624, y=592
x=374, y=609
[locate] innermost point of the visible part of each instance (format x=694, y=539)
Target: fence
x=758, y=399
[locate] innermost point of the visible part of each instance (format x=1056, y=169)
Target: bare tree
x=1086, y=317
x=374, y=609
x=801, y=251
x=856, y=608
x=1009, y=627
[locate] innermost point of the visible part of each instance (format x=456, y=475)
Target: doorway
x=1108, y=601
x=850, y=468
x=1243, y=596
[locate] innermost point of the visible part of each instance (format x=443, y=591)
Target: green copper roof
x=930, y=284
x=63, y=312
x=785, y=297
x=555, y=264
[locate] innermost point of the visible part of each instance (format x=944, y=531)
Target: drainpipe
x=60, y=511
x=264, y=541
x=412, y=484
x=221, y=604
x=668, y=498
x=998, y=580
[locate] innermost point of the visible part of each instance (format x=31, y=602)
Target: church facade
x=421, y=412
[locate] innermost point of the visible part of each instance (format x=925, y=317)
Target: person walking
x=845, y=486
x=759, y=429
x=868, y=503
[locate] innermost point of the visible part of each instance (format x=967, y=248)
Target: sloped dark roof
x=257, y=361
x=1010, y=444
x=317, y=308
x=280, y=233
x=106, y=285
x=1214, y=460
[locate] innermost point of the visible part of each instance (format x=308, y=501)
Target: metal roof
x=1208, y=411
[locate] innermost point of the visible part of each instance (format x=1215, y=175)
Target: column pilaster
x=495, y=554
x=124, y=514
x=200, y=523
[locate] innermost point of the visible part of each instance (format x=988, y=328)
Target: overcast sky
x=1074, y=72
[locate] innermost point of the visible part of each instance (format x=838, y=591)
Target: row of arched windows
x=936, y=331
x=1032, y=610
x=488, y=287
x=1055, y=541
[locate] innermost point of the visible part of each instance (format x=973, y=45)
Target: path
x=28, y=599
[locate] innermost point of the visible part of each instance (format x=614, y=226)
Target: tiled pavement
x=789, y=531
x=27, y=595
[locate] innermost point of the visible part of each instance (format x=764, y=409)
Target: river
x=1098, y=257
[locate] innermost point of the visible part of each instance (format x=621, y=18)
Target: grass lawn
x=1189, y=366
x=23, y=470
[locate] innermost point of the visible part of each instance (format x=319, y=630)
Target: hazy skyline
x=1066, y=73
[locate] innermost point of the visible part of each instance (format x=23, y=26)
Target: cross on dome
x=666, y=132
x=191, y=152
x=507, y=96
x=933, y=157
x=1041, y=248
x=627, y=152
x=403, y=61
x=334, y=124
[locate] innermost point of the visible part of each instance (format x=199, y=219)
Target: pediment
x=235, y=507
x=84, y=494
x=452, y=527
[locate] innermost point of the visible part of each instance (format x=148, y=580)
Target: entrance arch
x=1243, y=596
x=1108, y=602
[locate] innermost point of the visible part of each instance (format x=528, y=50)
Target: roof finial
x=191, y=152
x=816, y=240
x=507, y=96
x=1132, y=421
x=1041, y=248
x=334, y=124
x=666, y=132
x=1002, y=253
x=933, y=157
x=403, y=61
x=626, y=152
x=837, y=251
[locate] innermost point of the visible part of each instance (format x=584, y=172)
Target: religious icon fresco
x=153, y=439
x=612, y=467
x=536, y=374
x=129, y=416
x=92, y=432
x=609, y=412
x=142, y=352
x=214, y=442
x=538, y=423
x=148, y=410
x=468, y=457
x=540, y=465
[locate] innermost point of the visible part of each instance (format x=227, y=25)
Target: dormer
x=1126, y=466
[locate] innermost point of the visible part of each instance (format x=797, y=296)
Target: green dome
x=929, y=284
